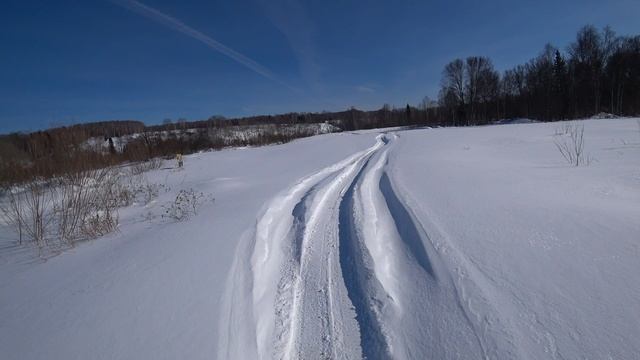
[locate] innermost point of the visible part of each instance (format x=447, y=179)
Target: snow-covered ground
x=429, y=243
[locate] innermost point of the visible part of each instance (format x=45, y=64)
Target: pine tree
x=560, y=85
x=408, y=111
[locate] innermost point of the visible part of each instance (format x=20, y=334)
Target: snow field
x=448, y=243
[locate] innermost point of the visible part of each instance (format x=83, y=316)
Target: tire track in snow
x=266, y=270
x=421, y=317
x=364, y=289
x=311, y=333
x=254, y=306
x=341, y=269
x=407, y=229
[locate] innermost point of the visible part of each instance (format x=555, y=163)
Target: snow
x=448, y=243
x=515, y=121
x=543, y=254
x=604, y=115
x=153, y=289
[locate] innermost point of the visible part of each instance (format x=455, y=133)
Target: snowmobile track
x=340, y=269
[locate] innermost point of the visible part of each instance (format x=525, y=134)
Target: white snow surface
x=448, y=243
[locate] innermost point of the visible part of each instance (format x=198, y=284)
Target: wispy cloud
x=365, y=89
x=175, y=24
x=292, y=19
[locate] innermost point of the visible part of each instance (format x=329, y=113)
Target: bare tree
x=481, y=84
x=453, y=79
x=588, y=59
x=452, y=93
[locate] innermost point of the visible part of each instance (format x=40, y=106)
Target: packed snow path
x=337, y=267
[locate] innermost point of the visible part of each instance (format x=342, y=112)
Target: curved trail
x=337, y=267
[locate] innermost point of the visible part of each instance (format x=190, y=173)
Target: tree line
x=598, y=72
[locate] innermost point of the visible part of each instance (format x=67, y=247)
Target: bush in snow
x=61, y=211
x=149, y=191
x=28, y=211
x=142, y=190
x=144, y=166
x=570, y=144
x=87, y=202
x=185, y=205
x=100, y=223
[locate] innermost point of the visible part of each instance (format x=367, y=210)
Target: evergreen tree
x=560, y=85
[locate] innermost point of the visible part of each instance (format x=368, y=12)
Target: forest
x=598, y=72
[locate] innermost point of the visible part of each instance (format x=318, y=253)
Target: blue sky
x=69, y=61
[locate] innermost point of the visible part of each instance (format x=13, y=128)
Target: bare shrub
x=149, y=191
x=100, y=223
x=75, y=198
x=144, y=166
x=185, y=205
x=13, y=213
x=141, y=189
x=572, y=146
x=75, y=206
x=87, y=202
x=111, y=194
x=28, y=211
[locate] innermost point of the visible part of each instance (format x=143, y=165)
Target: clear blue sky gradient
x=69, y=61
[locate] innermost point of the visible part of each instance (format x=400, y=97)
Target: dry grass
x=74, y=207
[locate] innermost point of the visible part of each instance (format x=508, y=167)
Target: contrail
x=177, y=25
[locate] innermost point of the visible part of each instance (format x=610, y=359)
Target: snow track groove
x=363, y=287
x=338, y=268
